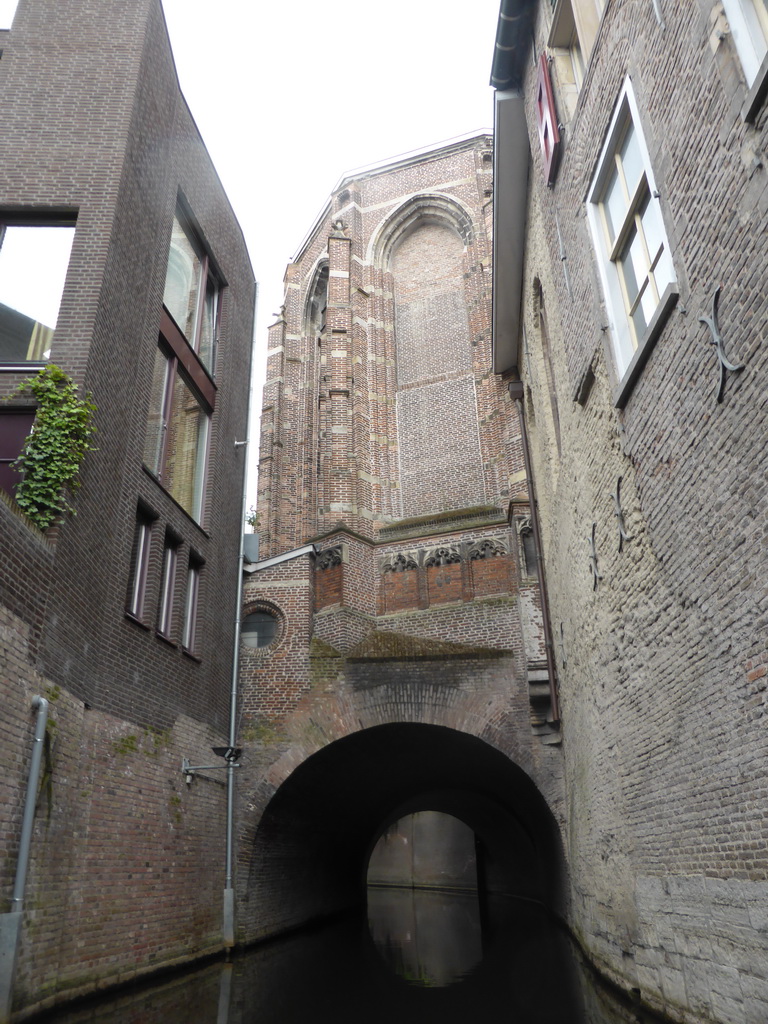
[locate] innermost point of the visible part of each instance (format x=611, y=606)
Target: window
x=259, y=629
x=192, y=292
x=15, y=425
x=168, y=587
x=628, y=232
x=182, y=392
x=190, y=605
x=7, y=11
x=33, y=266
x=176, y=442
x=140, y=563
x=748, y=20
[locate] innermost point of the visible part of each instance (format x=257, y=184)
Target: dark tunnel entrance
x=313, y=843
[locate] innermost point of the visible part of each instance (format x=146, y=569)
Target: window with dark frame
x=259, y=629
x=176, y=442
x=189, y=632
x=191, y=294
x=183, y=394
x=168, y=585
x=34, y=258
x=15, y=426
x=142, y=541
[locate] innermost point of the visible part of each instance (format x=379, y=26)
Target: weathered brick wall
x=661, y=665
x=119, y=843
x=103, y=132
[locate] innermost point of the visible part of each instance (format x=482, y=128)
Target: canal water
x=420, y=957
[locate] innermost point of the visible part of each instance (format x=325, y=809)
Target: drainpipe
x=516, y=394
x=10, y=923
x=228, y=918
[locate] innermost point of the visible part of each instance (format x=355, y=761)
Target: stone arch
x=307, y=858
x=424, y=208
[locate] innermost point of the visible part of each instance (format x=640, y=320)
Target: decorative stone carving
x=400, y=561
x=329, y=558
x=441, y=556
x=489, y=547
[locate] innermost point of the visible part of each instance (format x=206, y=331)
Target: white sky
x=291, y=94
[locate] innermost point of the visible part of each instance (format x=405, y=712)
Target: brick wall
x=660, y=662
x=114, y=145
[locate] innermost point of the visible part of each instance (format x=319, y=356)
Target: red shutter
x=546, y=121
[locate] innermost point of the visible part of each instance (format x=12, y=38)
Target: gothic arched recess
x=425, y=250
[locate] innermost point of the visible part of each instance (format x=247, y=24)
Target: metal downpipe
x=516, y=394
x=228, y=917
x=10, y=923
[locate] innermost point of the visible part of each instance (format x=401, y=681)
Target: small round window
x=259, y=629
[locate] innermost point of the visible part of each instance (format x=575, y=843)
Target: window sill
x=644, y=349
x=166, y=640
x=137, y=622
x=192, y=657
x=757, y=93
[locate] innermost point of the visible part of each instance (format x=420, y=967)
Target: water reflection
x=518, y=970
x=423, y=936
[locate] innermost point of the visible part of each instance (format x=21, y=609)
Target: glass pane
x=259, y=629
x=186, y=449
x=182, y=281
x=636, y=254
x=7, y=11
x=640, y=323
x=190, y=608
x=627, y=264
x=153, y=441
x=207, y=342
x=614, y=205
x=33, y=267
x=654, y=236
x=631, y=160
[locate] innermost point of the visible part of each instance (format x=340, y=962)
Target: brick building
x=637, y=359
x=122, y=617
x=395, y=656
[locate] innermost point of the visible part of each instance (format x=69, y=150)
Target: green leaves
x=60, y=439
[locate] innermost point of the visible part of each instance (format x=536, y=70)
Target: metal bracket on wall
x=623, y=535
x=717, y=341
x=593, y=559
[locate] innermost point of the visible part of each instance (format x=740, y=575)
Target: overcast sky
x=291, y=94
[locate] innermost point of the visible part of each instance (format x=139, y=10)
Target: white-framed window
x=748, y=20
x=628, y=231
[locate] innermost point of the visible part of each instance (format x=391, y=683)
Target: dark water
x=420, y=957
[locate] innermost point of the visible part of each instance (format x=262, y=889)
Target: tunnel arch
x=310, y=851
